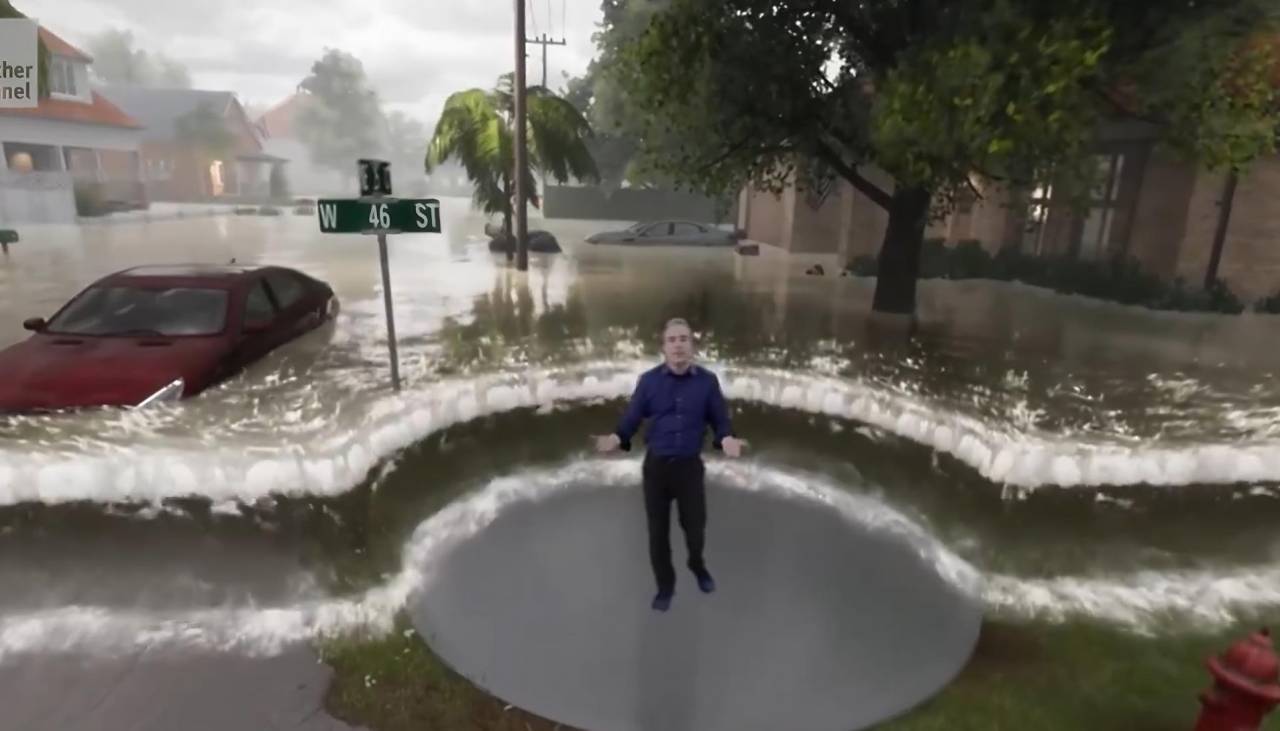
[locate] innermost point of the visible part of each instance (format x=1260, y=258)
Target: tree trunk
x=1220, y=234
x=899, y=261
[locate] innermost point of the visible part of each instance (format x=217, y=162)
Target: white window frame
x=64, y=71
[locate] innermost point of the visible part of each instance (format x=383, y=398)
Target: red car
x=158, y=333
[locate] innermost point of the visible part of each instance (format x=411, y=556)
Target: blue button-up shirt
x=680, y=407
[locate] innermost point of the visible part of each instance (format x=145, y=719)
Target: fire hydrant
x=1246, y=686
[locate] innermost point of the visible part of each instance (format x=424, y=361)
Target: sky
x=415, y=52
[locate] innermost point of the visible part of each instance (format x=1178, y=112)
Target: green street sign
x=372, y=216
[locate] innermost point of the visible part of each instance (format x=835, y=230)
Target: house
x=200, y=146
x=1165, y=212
x=75, y=142
x=279, y=131
x=279, y=125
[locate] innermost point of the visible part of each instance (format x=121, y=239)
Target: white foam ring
x=1143, y=601
x=160, y=467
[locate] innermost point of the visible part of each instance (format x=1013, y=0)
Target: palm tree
x=476, y=129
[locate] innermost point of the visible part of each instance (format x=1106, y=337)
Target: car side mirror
x=35, y=324
x=256, y=327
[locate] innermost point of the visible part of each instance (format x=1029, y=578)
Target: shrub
x=1121, y=280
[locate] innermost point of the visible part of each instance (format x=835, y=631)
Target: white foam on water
x=159, y=466
x=1141, y=601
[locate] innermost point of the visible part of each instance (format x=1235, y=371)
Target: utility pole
x=544, y=41
x=522, y=153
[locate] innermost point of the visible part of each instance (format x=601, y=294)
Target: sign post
x=376, y=212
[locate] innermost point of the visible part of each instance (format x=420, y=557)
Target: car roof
x=217, y=271
x=217, y=276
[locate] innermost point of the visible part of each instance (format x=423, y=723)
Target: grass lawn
x=1047, y=677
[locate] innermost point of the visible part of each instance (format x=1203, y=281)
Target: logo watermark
x=19, y=61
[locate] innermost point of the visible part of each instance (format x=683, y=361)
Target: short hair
x=673, y=322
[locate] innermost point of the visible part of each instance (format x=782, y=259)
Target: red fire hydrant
x=1246, y=686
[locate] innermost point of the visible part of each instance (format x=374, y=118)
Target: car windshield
x=144, y=311
x=636, y=228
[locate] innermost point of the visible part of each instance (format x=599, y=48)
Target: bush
x=89, y=199
x=1269, y=305
x=1116, y=280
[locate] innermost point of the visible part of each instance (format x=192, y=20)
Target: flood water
x=1065, y=458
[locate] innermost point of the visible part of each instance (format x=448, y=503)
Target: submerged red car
x=158, y=333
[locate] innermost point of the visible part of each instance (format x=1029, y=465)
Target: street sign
x=375, y=212
x=375, y=177
x=385, y=215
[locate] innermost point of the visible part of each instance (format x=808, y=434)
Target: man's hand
x=608, y=443
x=733, y=446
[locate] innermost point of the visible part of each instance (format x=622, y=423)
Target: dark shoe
x=662, y=602
x=705, y=582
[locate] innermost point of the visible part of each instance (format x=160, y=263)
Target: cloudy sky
x=416, y=52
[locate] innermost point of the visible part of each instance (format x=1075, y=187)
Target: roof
x=278, y=121
x=59, y=47
x=260, y=157
x=188, y=271
x=160, y=109
x=99, y=111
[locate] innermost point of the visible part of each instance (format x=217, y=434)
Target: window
x=258, y=306
x=1095, y=232
x=62, y=77
x=1037, y=216
x=287, y=289
x=144, y=311
x=657, y=229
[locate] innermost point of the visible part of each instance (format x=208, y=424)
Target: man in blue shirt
x=680, y=400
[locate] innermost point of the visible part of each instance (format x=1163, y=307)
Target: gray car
x=667, y=233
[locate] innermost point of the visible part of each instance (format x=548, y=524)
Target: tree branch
x=864, y=186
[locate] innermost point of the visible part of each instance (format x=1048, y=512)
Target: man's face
x=677, y=345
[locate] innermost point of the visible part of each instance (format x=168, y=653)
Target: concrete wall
x=631, y=204
x=765, y=218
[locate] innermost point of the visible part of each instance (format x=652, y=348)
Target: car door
x=297, y=311
x=687, y=234
x=656, y=233
x=258, y=320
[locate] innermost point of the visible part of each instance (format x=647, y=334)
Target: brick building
x=178, y=167
x=1163, y=211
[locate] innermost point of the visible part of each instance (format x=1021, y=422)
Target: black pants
x=679, y=479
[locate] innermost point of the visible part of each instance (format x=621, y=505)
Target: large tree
x=935, y=91
x=476, y=128
x=117, y=61
x=619, y=126
x=342, y=120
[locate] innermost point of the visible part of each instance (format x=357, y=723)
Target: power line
x=533, y=16
x=544, y=40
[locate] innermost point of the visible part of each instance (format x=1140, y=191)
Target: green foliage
x=1013, y=103
x=342, y=119
x=1119, y=280
x=475, y=129
x=933, y=91
x=206, y=130
x=117, y=61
